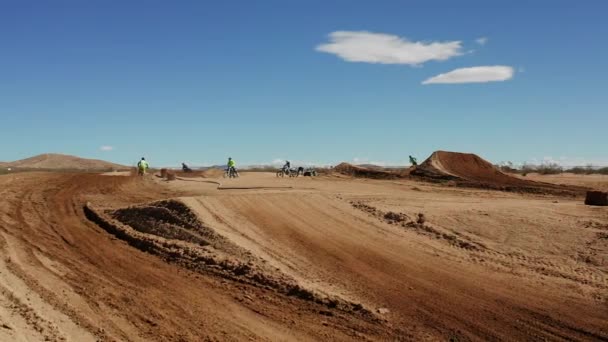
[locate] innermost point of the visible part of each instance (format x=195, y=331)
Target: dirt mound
x=419, y=226
x=469, y=169
x=364, y=172
x=53, y=161
x=168, y=219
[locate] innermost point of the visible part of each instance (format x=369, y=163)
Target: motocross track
x=329, y=259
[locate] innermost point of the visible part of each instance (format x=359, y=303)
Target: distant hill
x=54, y=161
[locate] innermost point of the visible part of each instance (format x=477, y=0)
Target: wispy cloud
x=479, y=74
x=369, y=47
x=481, y=40
x=106, y=148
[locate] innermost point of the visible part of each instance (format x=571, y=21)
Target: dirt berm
x=467, y=169
x=367, y=172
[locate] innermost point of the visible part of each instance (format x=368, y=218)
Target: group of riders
x=286, y=170
x=231, y=171
x=143, y=166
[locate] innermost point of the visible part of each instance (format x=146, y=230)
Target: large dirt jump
x=469, y=169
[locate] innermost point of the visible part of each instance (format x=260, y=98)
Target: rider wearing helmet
x=142, y=166
x=287, y=167
x=232, y=167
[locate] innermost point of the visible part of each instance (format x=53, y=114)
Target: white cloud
x=369, y=47
x=479, y=74
x=106, y=148
x=481, y=40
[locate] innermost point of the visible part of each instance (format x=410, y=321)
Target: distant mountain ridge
x=56, y=161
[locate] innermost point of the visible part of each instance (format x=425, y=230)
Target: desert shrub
x=507, y=167
x=579, y=170
x=549, y=169
x=527, y=168
x=602, y=171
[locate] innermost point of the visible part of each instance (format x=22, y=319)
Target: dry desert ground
x=87, y=257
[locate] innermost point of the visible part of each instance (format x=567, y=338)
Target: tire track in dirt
x=114, y=292
x=476, y=252
x=117, y=292
x=327, y=244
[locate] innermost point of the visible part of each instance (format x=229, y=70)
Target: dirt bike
x=231, y=173
x=310, y=172
x=288, y=172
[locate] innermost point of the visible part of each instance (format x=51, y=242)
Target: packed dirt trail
x=476, y=265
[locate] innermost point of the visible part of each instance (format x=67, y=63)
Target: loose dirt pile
x=365, y=172
x=419, y=225
x=467, y=169
x=53, y=161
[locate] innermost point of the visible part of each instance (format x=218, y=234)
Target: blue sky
x=311, y=81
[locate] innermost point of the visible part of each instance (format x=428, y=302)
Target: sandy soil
x=222, y=264
x=597, y=182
